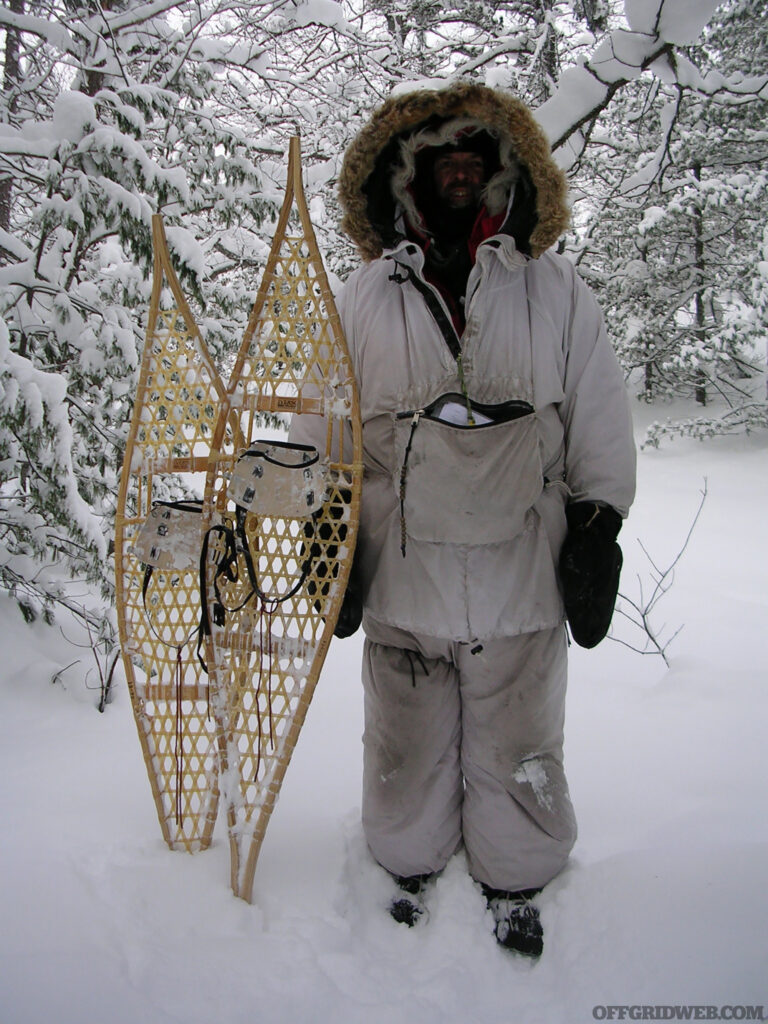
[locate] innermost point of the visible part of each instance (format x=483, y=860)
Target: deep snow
x=664, y=901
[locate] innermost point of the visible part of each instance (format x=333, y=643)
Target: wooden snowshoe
x=273, y=620
x=158, y=583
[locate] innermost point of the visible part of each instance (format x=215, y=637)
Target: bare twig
x=56, y=677
x=106, y=654
x=641, y=610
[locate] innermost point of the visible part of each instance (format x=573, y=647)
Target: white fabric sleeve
x=600, y=458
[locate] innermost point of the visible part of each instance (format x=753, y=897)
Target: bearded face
x=458, y=179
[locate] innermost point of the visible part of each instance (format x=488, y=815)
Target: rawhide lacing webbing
x=178, y=672
x=236, y=544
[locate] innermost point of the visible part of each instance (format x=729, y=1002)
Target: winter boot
x=517, y=920
x=409, y=907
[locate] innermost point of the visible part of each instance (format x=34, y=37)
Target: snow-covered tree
x=672, y=244
x=111, y=116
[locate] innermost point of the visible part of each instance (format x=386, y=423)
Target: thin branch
x=644, y=608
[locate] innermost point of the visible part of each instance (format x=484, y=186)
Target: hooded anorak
x=481, y=419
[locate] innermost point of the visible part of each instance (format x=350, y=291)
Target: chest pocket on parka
x=460, y=483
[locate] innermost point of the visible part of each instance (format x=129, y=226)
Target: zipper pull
x=463, y=384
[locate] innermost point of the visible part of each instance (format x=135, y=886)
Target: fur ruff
x=522, y=141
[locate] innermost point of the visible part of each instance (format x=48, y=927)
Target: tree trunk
x=648, y=364
x=550, y=55
x=11, y=78
x=92, y=78
x=699, y=312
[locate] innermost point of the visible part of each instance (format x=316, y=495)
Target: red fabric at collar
x=485, y=226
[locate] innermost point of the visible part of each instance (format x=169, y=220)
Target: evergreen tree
x=113, y=117
x=673, y=247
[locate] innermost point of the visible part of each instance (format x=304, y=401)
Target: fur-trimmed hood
x=375, y=165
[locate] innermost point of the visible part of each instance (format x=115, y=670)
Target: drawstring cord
x=411, y=656
x=403, y=474
x=465, y=394
x=268, y=605
x=179, y=748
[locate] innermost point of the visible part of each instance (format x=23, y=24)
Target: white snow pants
x=463, y=743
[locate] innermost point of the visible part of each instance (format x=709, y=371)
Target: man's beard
x=449, y=225
x=448, y=256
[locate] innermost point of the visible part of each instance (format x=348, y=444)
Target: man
x=497, y=448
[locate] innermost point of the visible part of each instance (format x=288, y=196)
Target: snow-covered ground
x=665, y=900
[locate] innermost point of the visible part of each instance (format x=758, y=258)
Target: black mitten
x=351, y=613
x=590, y=565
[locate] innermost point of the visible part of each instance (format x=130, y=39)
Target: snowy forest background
x=113, y=110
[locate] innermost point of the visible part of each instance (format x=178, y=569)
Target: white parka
x=533, y=334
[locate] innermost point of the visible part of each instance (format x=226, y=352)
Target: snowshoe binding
x=518, y=927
